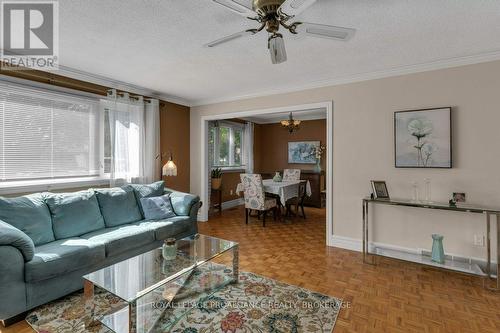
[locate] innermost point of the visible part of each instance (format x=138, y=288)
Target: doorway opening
x=223, y=146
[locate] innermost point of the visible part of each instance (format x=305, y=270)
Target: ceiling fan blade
x=326, y=31
x=231, y=38
x=293, y=8
x=237, y=8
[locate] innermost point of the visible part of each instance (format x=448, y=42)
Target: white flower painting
x=423, y=138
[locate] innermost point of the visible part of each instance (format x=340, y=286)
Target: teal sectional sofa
x=48, y=241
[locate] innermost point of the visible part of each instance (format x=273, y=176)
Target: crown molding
x=391, y=72
x=276, y=120
x=117, y=84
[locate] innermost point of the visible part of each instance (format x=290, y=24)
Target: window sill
x=233, y=170
x=32, y=186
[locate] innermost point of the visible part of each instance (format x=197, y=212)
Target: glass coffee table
x=139, y=280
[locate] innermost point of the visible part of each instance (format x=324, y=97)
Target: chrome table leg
x=498, y=252
x=236, y=263
x=132, y=317
x=88, y=297
x=487, y=279
x=364, y=233
x=366, y=237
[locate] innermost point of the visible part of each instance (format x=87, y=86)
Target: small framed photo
x=379, y=189
x=459, y=197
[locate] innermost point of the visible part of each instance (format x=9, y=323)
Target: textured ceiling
x=158, y=44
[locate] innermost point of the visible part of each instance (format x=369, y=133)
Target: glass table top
x=436, y=205
x=135, y=277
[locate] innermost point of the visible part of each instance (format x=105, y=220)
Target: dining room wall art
x=423, y=138
x=302, y=152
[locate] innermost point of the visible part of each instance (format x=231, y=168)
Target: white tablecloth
x=285, y=190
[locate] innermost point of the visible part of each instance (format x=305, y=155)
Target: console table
x=488, y=213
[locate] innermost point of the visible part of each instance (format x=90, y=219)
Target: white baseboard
x=346, y=243
x=225, y=205
x=354, y=244
x=233, y=203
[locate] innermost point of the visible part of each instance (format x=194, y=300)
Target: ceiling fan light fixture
x=273, y=15
x=277, y=49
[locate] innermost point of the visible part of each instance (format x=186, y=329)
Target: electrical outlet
x=479, y=240
x=231, y=192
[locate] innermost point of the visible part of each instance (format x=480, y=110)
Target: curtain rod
x=65, y=82
x=131, y=95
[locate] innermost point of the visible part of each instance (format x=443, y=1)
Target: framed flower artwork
x=423, y=138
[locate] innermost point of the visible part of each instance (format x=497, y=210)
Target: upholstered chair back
x=302, y=190
x=253, y=191
x=291, y=175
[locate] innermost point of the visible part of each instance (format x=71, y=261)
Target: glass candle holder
x=169, y=250
x=415, y=196
x=428, y=189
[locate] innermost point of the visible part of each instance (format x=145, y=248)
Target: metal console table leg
x=366, y=244
x=488, y=277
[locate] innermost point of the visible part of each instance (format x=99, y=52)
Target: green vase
x=437, y=249
x=277, y=177
x=317, y=167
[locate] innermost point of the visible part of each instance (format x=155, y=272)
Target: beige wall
x=363, y=150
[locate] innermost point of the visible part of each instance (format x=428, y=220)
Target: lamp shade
x=169, y=169
x=277, y=49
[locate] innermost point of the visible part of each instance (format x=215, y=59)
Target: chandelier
x=290, y=124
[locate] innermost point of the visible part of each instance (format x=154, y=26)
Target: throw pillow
x=157, y=208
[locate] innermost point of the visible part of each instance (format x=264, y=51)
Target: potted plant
x=216, y=178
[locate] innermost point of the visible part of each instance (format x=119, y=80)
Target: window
x=46, y=134
x=227, y=139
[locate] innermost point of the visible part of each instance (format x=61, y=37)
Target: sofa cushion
x=120, y=239
x=118, y=205
x=29, y=214
x=157, y=208
x=164, y=229
x=61, y=257
x=147, y=190
x=74, y=214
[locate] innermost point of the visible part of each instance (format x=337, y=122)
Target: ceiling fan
x=273, y=14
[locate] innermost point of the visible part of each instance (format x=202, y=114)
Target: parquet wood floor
x=393, y=296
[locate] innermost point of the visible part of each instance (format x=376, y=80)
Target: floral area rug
x=205, y=301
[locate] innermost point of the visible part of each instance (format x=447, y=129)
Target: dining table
x=285, y=189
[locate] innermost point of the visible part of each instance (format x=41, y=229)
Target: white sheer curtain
x=152, y=158
x=134, y=139
x=248, y=142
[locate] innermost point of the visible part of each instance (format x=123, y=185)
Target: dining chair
x=291, y=175
x=255, y=199
x=297, y=201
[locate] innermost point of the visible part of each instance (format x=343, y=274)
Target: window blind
x=47, y=134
